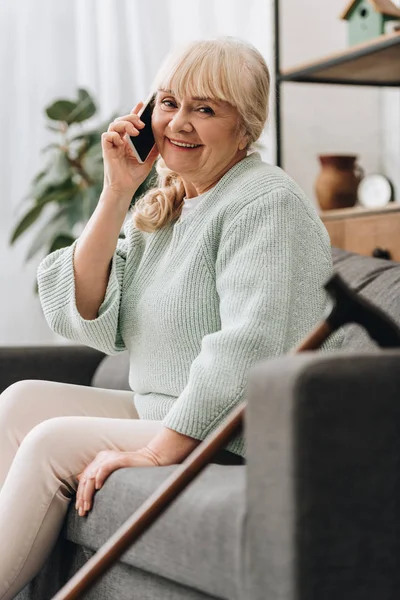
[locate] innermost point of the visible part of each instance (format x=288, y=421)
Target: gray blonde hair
x=243, y=81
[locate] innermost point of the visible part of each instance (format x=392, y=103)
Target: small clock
x=374, y=191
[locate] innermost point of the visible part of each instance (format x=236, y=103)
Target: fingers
x=125, y=126
x=112, y=139
x=84, y=494
x=136, y=109
x=128, y=124
x=104, y=464
x=102, y=474
x=87, y=497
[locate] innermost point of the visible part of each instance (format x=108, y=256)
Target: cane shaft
x=315, y=339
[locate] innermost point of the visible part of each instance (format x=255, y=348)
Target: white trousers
x=49, y=432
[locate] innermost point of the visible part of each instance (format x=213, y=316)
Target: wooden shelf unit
x=373, y=63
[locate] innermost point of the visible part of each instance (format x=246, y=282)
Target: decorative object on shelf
x=69, y=186
x=375, y=191
x=369, y=19
x=381, y=253
x=337, y=182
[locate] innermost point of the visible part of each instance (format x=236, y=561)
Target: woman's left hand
x=107, y=461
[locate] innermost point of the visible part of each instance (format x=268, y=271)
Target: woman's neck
x=197, y=187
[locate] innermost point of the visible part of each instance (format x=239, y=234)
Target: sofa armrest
x=67, y=364
x=323, y=457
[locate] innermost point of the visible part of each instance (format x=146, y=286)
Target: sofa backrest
x=377, y=280
x=113, y=372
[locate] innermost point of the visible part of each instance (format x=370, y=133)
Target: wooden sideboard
x=371, y=232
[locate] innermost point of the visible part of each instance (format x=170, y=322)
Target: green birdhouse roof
x=385, y=7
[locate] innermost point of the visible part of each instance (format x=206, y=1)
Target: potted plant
x=68, y=188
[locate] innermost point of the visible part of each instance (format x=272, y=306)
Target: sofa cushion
x=197, y=542
x=359, y=270
x=378, y=281
x=113, y=372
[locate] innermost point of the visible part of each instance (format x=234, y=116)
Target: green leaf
x=43, y=189
x=85, y=108
x=49, y=146
x=39, y=176
x=35, y=185
x=56, y=129
x=58, y=172
x=27, y=220
x=74, y=211
x=61, y=241
x=92, y=162
x=58, y=195
x=60, y=110
x=80, y=144
x=58, y=223
x=72, y=112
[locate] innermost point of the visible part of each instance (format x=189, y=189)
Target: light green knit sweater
x=200, y=301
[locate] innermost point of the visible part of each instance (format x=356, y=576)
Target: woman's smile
x=181, y=145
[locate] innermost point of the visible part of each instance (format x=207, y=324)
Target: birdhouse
x=367, y=18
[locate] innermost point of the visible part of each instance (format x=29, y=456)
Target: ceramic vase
x=337, y=182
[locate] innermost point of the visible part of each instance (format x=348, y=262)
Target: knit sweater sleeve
x=56, y=283
x=256, y=268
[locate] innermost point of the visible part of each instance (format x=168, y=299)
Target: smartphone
x=143, y=143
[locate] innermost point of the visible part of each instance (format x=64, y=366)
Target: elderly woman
x=222, y=265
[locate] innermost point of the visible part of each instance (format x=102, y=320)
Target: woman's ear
x=243, y=142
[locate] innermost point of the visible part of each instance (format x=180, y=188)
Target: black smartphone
x=143, y=143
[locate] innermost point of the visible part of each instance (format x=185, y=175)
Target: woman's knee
x=14, y=399
x=51, y=444
x=43, y=462
x=22, y=406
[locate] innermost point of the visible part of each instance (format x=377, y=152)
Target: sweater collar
x=213, y=195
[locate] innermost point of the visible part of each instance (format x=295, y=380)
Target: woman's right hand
x=123, y=174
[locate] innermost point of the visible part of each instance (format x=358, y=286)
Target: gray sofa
x=313, y=515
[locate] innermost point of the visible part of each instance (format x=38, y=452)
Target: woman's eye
x=207, y=110
x=168, y=103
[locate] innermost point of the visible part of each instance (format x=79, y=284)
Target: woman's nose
x=180, y=122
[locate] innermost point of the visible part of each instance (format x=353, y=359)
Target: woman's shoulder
x=256, y=181
x=261, y=192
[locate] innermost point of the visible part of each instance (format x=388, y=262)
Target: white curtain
x=112, y=48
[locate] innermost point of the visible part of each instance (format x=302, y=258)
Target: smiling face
x=198, y=138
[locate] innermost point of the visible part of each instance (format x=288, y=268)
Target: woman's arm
x=94, y=251
x=170, y=447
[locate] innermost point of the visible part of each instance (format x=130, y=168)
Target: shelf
x=358, y=211
x=374, y=63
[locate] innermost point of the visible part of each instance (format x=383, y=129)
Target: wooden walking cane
x=348, y=307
